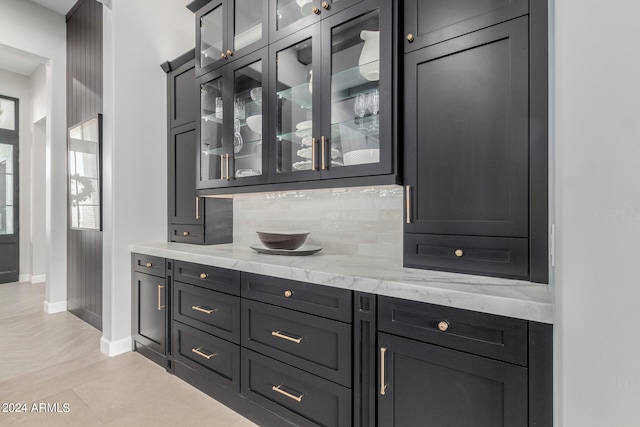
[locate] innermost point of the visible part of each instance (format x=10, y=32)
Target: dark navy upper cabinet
x=427, y=22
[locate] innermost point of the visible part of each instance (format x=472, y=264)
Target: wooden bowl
x=283, y=239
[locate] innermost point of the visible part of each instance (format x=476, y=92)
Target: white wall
x=38, y=121
x=597, y=292
x=138, y=37
x=17, y=86
x=32, y=28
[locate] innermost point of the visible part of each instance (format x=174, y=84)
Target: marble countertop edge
x=504, y=297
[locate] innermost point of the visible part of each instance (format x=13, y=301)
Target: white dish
x=256, y=93
x=304, y=133
x=307, y=153
x=302, y=250
x=302, y=166
x=306, y=141
x=241, y=173
x=307, y=124
x=255, y=123
x=360, y=157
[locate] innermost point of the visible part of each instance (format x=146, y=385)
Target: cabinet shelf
x=248, y=150
x=344, y=85
x=349, y=129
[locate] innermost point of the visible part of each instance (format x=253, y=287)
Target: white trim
x=24, y=278
x=40, y=278
x=115, y=348
x=55, y=307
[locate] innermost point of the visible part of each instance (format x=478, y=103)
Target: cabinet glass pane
x=294, y=80
x=290, y=11
x=6, y=189
x=355, y=101
x=247, y=23
x=7, y=114
x=211, y=37
x=211, y=143
x=247, y=120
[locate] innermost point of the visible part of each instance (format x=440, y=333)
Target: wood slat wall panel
x=84, y=100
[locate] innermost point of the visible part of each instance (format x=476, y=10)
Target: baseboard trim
x=115, y=348
x=24, y=278
x=40, y=278
x=55, y=307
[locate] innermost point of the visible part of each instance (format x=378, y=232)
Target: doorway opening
x=9, y=188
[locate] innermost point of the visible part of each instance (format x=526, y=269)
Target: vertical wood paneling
x=84, y=100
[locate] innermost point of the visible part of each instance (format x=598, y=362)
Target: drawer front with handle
x=496, y=337
x=149, y=265
x=213, y=312
x=214, y=278
x=215, y=358
x=302, y=398
x=310, y=298
x=317, y=345
x=187, y=234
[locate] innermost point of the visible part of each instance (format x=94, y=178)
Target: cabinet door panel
x=430, y=385
x=433, y=21
x=466, y=134
x=150, y=311
x=211, y=37
x=183, y=97
x=183, y=161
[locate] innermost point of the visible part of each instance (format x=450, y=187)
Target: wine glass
x=237, y=138
x=374, y=106
x=360, y=108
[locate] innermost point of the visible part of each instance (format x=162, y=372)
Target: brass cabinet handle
x=326, y=5
x=443, y=325
x=313, y=154
x=410, y=38
x=229, y=52
x=199, y=353
x=228, y=176
x=316, y=10
x=197, y=207
x=223, y=55
x=322, y=146
x=288, y=293
x=383, y=386
x=203, y=275
x=285, y=337
x=185, y=233
x=203, y=310
x=459, y=252
x=222, y=167
x=408, y=203
x=148, y=265
x=160, y=306
x=289, y=395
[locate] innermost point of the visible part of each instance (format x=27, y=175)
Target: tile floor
x=55, y=360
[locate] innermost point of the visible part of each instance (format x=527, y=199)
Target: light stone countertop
x=512, y=298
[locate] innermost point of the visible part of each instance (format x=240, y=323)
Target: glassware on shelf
x=237, y=138
x=360, y=108
x=219, y=107
x=374, y=106
x=238, y=108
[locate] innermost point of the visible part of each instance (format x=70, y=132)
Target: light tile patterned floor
x=55, y=359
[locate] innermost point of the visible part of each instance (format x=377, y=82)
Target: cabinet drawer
x=187, y=234
x=321, y=300
x=497, y=337
x=317, y=345
x=215, y=358
x=496, y=256
x=209, y=311
x=149, y=265
x=217, y=279
x=300, y=397
x=433, y=21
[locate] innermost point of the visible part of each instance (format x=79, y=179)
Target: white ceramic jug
x=370, y=55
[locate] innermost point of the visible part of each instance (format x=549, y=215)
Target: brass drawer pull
x=199, y=353
x=285, y=337
x=148, y=265
x=288, y=293
x=203, y=275
x=160, y=306
x=203, y=310
x=223, y=55
x=383, y=386
x=410, y=38
x=326, y=5
x=316, y=10
x=229, y=52
x=289, y=395
x=459, y=252
x=443, y=325
x=185, y=233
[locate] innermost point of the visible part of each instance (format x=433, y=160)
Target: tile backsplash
x=364, y=221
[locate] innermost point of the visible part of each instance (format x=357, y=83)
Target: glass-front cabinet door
x=211, y=37
x=231, y=123
x=250, y=26
x=295, y=109
x=356, y=104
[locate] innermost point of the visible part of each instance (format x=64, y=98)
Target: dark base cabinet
x=284, y=353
